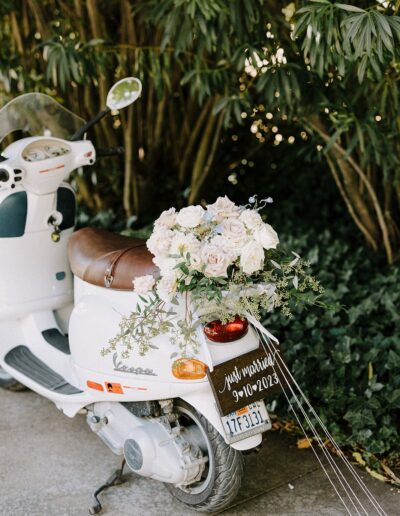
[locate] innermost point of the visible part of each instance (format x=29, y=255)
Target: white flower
x=226, y=246
x=266, y=236
x=165, y=263
x=143, y=284
x=223, y=208
x=215, y=260
x=195, y=262
x=234, y=232
x=251, y=219
x=252, y=257
x=160, y=241
x=190, y=217
x=166, y=288
x=167, y=219
x=183, y=244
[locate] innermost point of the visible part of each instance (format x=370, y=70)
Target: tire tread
x=229, y=470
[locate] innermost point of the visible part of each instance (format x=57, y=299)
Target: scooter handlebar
x=112, y=151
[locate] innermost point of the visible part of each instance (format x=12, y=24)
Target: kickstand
x=115, y=480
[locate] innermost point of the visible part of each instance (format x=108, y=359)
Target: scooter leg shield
x=204, y=403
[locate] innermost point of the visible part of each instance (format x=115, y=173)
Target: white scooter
x=165, y=423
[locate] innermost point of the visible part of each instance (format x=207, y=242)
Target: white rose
x=167, y=219
x=195, y=262
x=160, y=241
x=223, y=243
x=223, y=208
x=235, y=232
x=143, y=284
x=166, y=264
x=266, y=236
x=190, y=217
x=252, y=257
x=183, y=244
x=251, y=219
x=215, y=260
x=166, y=288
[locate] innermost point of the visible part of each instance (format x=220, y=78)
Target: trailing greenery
x=348, y=360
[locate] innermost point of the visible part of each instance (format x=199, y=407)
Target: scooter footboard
x=204, y=403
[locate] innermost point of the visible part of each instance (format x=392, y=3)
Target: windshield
x=37, y=114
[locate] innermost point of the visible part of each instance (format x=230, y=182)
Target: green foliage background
x=223, y=112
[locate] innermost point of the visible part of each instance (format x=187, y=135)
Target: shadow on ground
x=50, y=465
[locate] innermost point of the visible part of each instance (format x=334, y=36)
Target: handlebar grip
x=112, y=151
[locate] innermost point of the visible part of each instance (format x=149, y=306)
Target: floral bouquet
x=220, y=262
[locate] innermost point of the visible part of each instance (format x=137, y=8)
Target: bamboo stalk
x=159, y=121
x=201, y=158
x=84, y=192
x=350, y=208
x=192, y=141
x=25, y=20
x=98, y=31
x=80, y=17
x=16, y=33
x=214, y=146
x=40, y=19
x=128, y=167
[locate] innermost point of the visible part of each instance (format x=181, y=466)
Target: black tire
x=9, y=383
x=223, y=475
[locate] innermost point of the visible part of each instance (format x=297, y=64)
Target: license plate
x=247, y=421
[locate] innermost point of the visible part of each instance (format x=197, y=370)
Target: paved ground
x=49, y=466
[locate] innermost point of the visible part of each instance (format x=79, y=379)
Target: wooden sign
x=245, y=379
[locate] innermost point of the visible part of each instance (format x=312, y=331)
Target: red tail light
x=234, y=330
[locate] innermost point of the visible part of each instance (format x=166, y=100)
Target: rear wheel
x=9, y=383
x=222, y=476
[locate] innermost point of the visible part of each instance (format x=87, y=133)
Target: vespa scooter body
x=56, y=319
x=36, y=296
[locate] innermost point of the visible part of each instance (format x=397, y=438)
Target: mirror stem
x=80, y=132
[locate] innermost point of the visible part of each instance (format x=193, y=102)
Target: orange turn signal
x=189, y=369
x=94, y=385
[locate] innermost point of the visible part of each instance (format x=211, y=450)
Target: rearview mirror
x=124, y=93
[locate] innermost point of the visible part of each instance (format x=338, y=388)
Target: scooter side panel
x=35, y=270
x=95, y=321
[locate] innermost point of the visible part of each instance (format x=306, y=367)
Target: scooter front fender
x=203, y=401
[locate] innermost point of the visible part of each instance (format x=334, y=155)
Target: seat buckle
x=108, y=279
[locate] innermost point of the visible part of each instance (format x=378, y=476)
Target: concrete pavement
x=50, y=465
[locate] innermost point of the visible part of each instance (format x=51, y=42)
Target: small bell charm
x=55, y=220
x=55, y=236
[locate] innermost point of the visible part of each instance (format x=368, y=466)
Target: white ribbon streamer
x=253, y=321
x=266, y=337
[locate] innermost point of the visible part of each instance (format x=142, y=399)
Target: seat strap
x=109, y=274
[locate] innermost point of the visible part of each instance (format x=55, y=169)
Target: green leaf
x=350, y=8
x=220, y=105
x=383, y=22
x=188, y=77
x=361, y=68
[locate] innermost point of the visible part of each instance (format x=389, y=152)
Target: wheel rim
x=187, y=419
x=4, y=375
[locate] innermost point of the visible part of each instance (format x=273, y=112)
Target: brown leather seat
x=108, y=260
